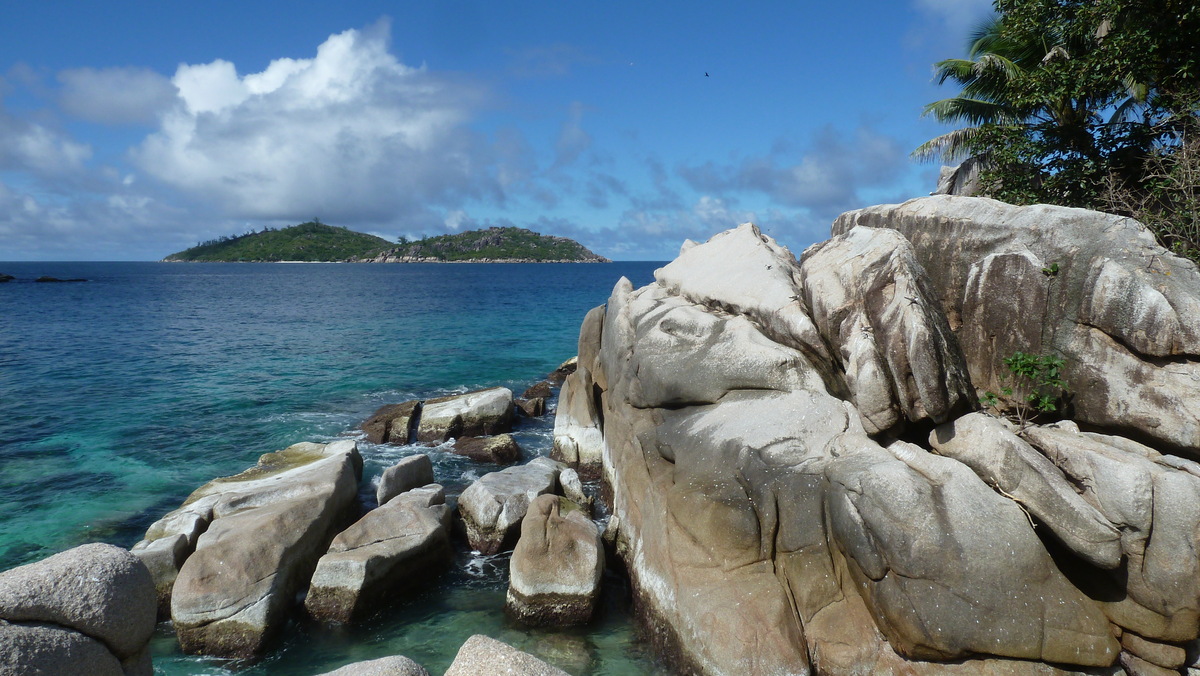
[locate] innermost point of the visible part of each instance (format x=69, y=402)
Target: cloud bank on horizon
x=108, y=162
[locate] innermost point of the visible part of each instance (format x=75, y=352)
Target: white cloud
x=115, y=95
x=826, y=179
x=351, y=135
x=572, y=139
x=30, y=147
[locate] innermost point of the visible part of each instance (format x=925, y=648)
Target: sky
x=132, y=130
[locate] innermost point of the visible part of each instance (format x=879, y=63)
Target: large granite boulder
x=1095, y=289
x=798, y=484
x=872, y=300
x=492, y=507
x=473, y=414
x=392, y=548
x=392, y=424
x=577, y=426
x=556, y=567
x=411, y=472
x=260, y=534
x=483, y=656
x=396, y=665
x=89, y=609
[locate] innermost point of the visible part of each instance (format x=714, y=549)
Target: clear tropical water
x=121, y=395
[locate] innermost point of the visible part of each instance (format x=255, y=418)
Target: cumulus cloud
x=825, y=179
x=115, y=95
x=26, y=146
x=350, y=135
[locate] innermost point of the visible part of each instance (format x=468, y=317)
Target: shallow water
x=120, y=395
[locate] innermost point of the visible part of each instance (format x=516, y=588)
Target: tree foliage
x=1074, y=101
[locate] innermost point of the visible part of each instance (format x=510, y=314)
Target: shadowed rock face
x=257, y=538
x=783, y=508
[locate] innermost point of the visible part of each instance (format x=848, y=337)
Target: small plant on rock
x=1036, y=387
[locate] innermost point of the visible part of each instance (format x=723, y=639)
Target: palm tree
x=996, y=81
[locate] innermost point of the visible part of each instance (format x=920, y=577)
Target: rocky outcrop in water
x=396, y=665
x=501, y=449
x=257, y=537
x=411, y=472
x=89, y=610
x=555, y=571
x=483, y=656
x=472, y=414
x=799, y=482
x=391, y=549
x=492, y=507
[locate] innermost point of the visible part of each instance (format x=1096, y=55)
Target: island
x=315, y=242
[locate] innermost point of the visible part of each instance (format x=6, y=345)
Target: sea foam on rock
x=764, y=428
x=257, y=538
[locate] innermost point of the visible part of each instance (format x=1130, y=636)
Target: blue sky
x=129, y=131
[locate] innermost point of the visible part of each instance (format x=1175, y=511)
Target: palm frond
x=949, y=148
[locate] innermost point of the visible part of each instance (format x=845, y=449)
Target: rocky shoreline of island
x=959, y=436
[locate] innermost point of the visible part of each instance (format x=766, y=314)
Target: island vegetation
x=312, y=241
x=317, y=242
x=1083, y=103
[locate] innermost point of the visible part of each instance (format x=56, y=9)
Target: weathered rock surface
x=483, y=656
x=959, y=180
x=473, y=414
x=578, y=440
x=572, y=489
x=556, y=567
x=396, y=665
x=411, y=472
x=534, y=407
x=1123, y=312
x=91, y=607
x=501, y=449
x=392, y=424
x=390, y=549
x=783, y=507
x=872, y=300
x=260, y=535
x=492, y=507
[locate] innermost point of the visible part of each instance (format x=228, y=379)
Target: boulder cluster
x=244, y=554
x=803, y=478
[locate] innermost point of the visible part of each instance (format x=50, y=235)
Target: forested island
x=317, y=242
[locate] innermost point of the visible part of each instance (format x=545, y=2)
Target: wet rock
x=56, y=279
x=483, y=656
x=411, y=472
x=473, y=414
x=492, y=507
x=532, y=407
x=572, y=489
x=395, y=665
x=554, y=576
x=501, y=449
x=543, y=390
x=6, y=278
x=558, y=375
x=392, y=424
x=389, y=550
x=93, y=602
x=262, y=533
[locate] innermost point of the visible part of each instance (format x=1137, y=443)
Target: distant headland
x=317, y=242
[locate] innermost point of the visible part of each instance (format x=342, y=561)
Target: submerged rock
x=483, y=656
x=492, y=507
x=89, y=609
x=554, y=575
x=6, y=278
x=260, y=535
x=393, y=548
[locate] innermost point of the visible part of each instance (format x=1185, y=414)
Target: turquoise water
x=120, y=395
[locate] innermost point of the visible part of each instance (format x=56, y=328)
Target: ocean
x=122, y=394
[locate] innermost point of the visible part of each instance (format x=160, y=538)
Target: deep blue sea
x=122, y=394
